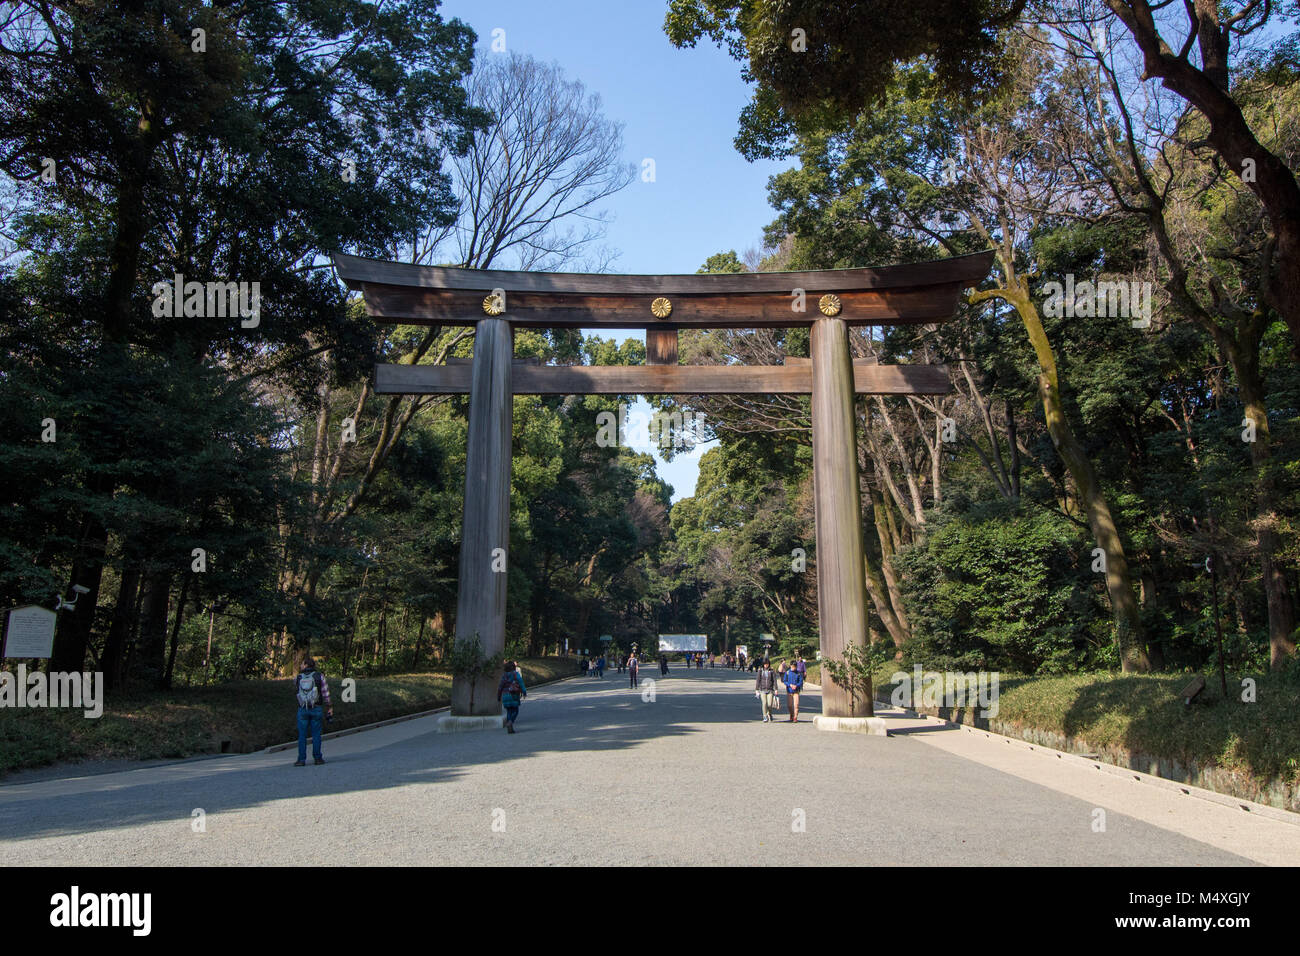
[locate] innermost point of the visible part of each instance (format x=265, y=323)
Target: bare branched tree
x=530, y=185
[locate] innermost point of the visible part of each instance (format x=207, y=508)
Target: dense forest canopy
x=1125, y=413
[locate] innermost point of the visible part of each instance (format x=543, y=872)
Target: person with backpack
x=793, y=684
x=510, y=691
x=312, y=690
x=765, y=688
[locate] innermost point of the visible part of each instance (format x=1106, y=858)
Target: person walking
x=600, y=667
x=313, y=690
x=511, y=691
x=765, y=688
x=793, y=684
x=633, y=668
x=801, y=667
x=663, y=665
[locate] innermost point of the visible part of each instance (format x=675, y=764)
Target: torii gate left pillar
x=485, y=530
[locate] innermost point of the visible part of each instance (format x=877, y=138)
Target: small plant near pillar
x=468, y=661
x=853, y=673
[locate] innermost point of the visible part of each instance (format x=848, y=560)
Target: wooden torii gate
x=496, y=301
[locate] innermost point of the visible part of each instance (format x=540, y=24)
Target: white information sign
x=30, y=632
x=669, y=643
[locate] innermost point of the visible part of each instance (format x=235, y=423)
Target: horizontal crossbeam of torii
x=495, y=301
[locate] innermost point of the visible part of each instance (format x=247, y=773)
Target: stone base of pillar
x=452, y=724
x=852, y=725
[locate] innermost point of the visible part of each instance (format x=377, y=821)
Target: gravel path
x=597, y=775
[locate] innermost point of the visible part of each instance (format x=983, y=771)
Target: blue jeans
x=512, y=712
x=309, y=717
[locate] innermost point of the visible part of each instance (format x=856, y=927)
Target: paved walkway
x=598, y=775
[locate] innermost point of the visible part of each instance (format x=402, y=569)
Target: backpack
x=510, y=685
x=308, y=689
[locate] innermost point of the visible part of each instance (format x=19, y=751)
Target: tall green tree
x=231, y=144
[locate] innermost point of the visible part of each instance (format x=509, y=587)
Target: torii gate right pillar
x=841, y=572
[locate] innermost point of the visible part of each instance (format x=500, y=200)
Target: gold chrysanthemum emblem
x=661, y=308
x=494, y=304
x=829, y=304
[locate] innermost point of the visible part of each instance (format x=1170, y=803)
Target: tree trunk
x=878, y=590
x=1123, y=600
x=1015, y=450
x=1281, y=608
x=382, y=636
x=151, y=649
x=176, y=630
x=119, y=631
x=1148, y=598
x=73, y=630
x=401, y=629
x=887, y=534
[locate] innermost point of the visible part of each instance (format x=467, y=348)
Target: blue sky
x=678, y=107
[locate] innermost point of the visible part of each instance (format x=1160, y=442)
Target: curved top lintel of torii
x=908, y=293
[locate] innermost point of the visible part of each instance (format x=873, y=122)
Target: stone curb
x=1200, y=793
x=276, y=748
